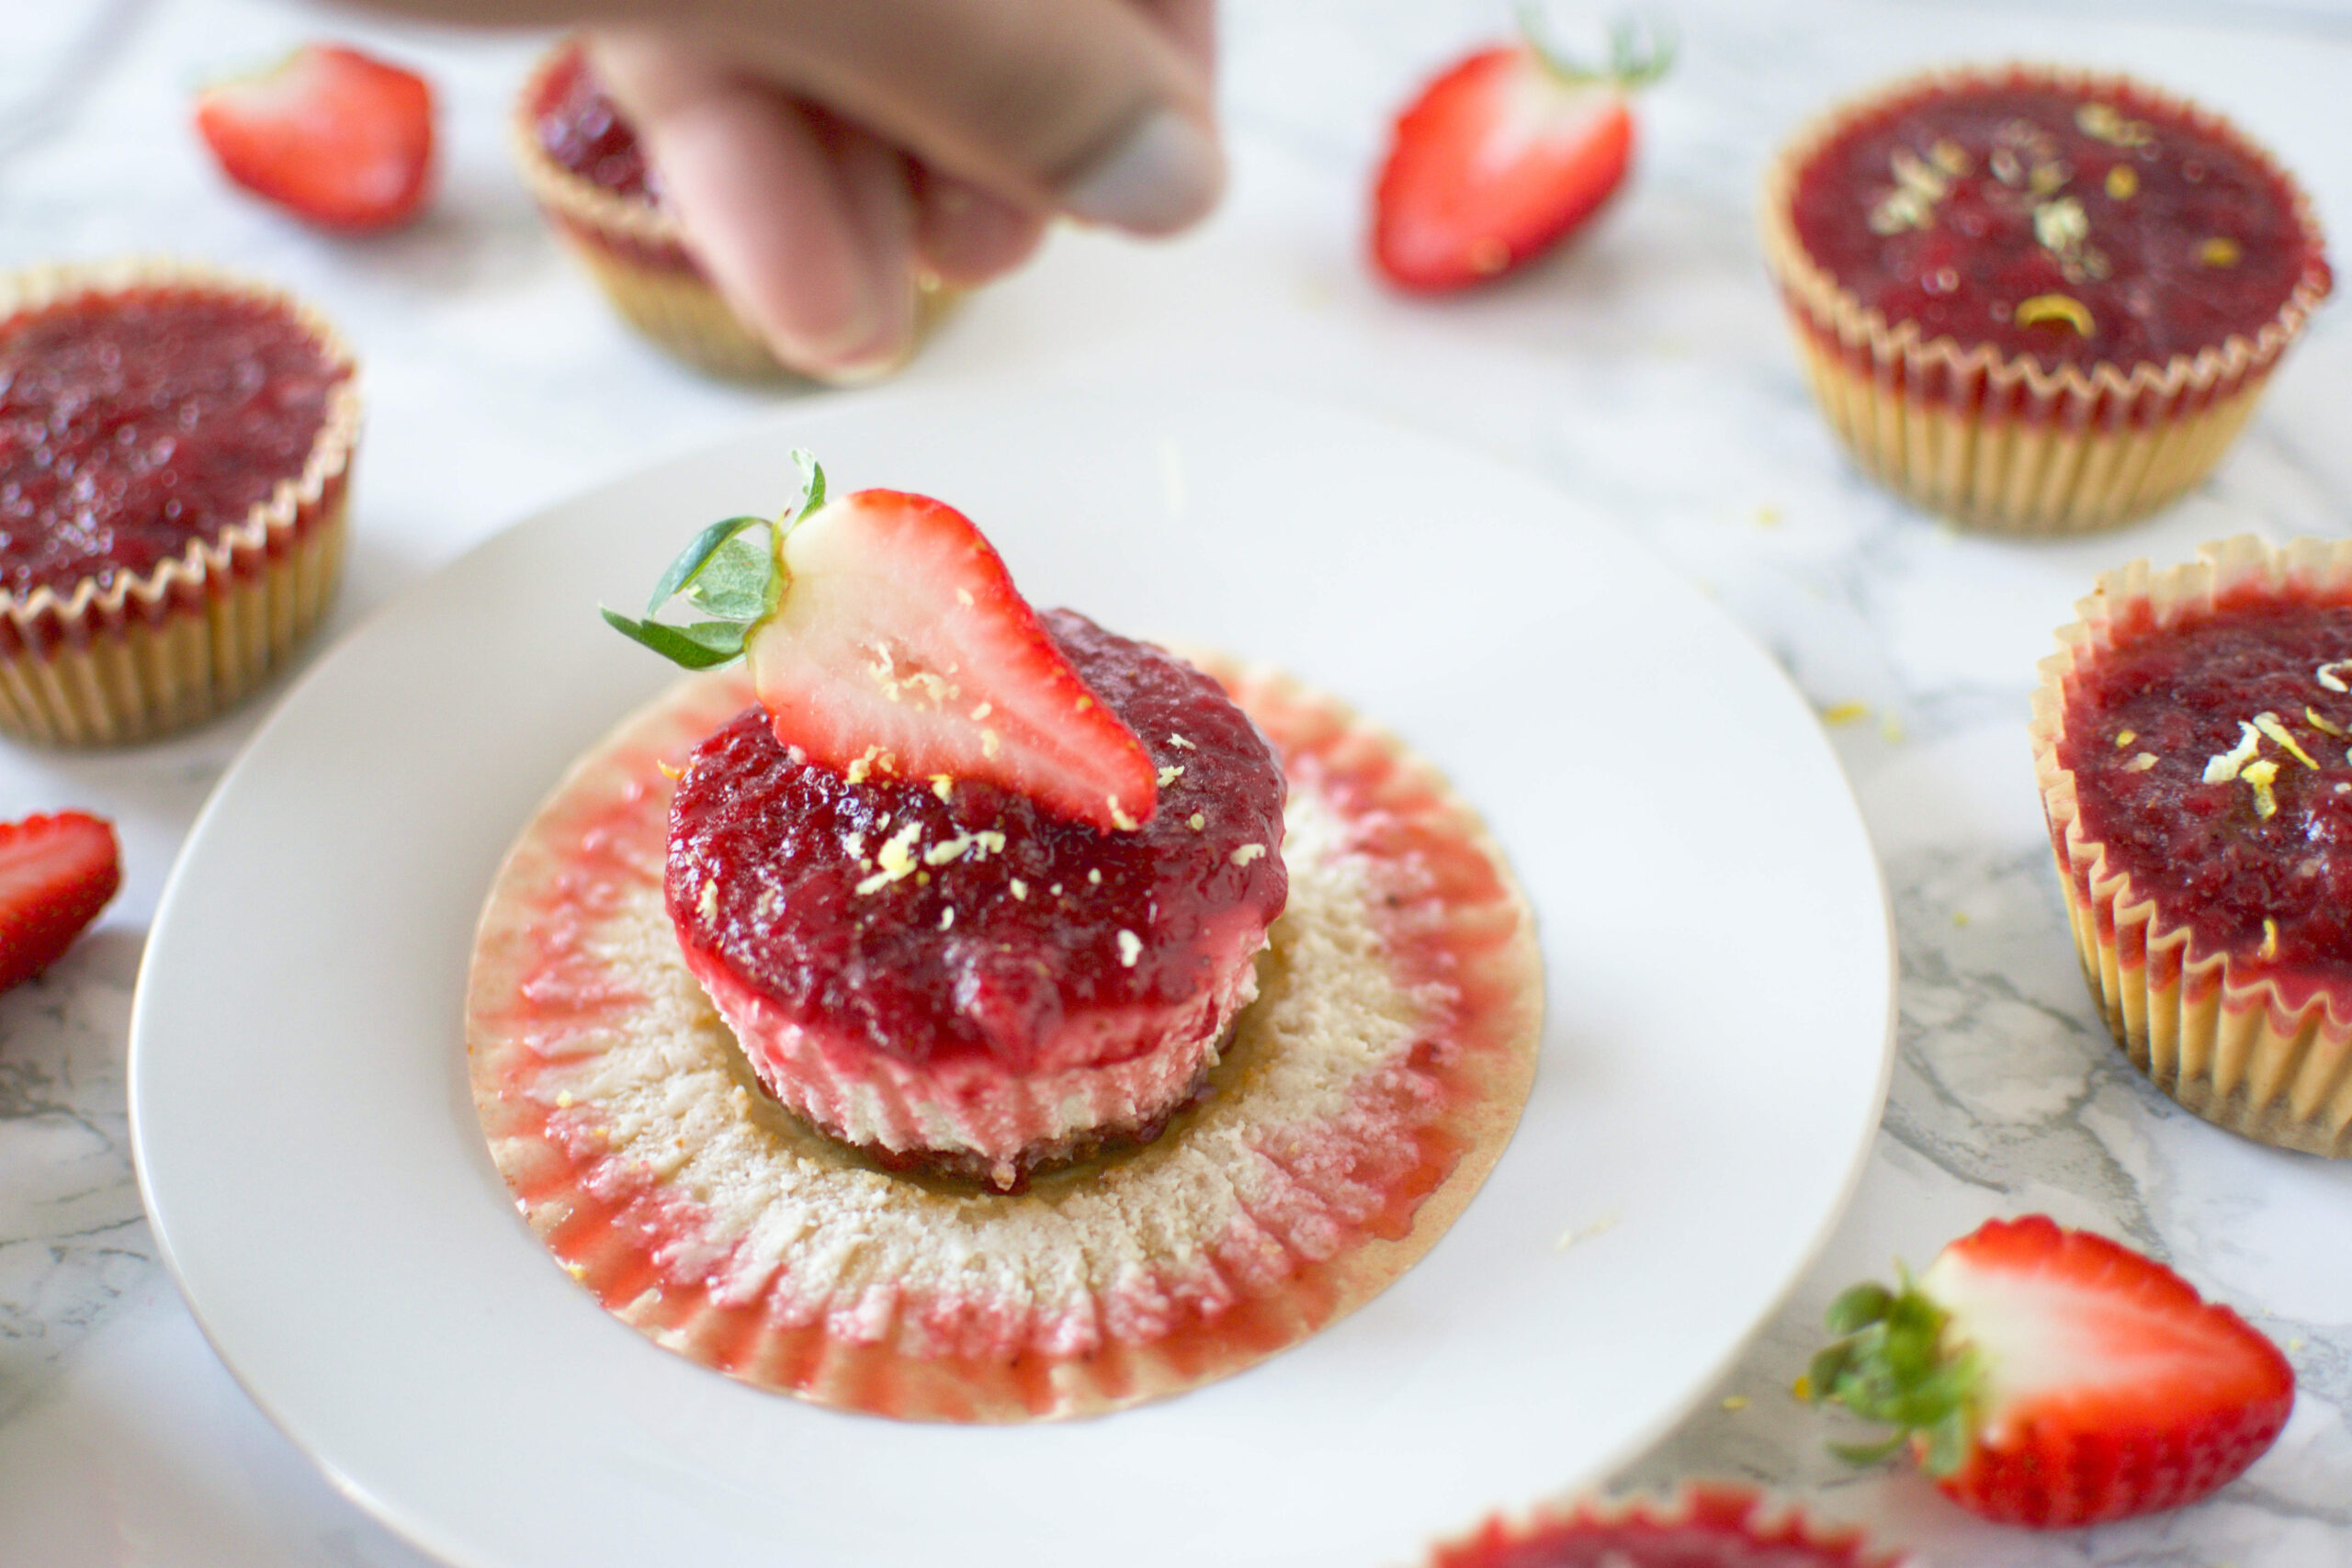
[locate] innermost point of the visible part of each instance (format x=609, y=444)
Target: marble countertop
x=1645, y=371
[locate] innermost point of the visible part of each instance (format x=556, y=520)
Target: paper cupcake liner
x=1998, y=442
x=1362, y=1099
x=1702, y=1525
x=968, y=1106
x=2265, y=1054
x=638, y=257
x=154, y=653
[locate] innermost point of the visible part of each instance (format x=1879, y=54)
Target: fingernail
x=862, y=372
x=876, y=357
x=1160, y=176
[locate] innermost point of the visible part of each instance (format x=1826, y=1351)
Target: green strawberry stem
x=1640, y=51
x=1890, y=1364
x=734, y=582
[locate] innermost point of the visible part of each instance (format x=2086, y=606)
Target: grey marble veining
x=1645, y=372
x=72, y=1236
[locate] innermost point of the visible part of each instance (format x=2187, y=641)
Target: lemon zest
x=2261, y=775
x=2269, y=724
x=2224, y=766
x=2056, y=308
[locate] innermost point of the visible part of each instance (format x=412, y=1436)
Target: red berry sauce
x=2071, y=226
x=990, y=950
x=584, y=130
x=132, y=424
x=2258, y=864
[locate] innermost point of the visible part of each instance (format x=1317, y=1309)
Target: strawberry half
x=2053, y=1377
x=56, y=874
x=338, y=139
x=1502, y=156
x=883, y=635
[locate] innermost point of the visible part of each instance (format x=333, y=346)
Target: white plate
x=1714, y=1060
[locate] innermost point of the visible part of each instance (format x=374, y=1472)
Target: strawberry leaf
x=1867, y=1453
x=738, y=582
x=1861, y=1306
x=697, y=557
x=729, y=578
x=1948, y=1443
x=812, y=480
x=1892, y=1366
x=1828, y=1368
x=704, y=645
x=1640, y=51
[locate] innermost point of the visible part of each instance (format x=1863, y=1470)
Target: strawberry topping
x=2053, y=1377
x=336, y=138
x=56, y=874
x=903, y=641
x=885, y=639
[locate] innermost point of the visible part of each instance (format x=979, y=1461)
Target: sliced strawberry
x=336, y=138
x=1499, y=158
x=56, y=874
x=2053, y=1377
x=885, y=635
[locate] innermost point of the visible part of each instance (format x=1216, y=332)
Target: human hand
x=820, y=153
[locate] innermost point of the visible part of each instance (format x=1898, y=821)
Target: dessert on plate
x=589, y=174
x=2038, y=299
x=2193, y=743
x=964, y=1013
x=175, y=447
x=1707, y=1525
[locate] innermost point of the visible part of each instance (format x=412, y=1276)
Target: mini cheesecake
x=2038, y=299
x=175, y=447
x=2194, y=740
x=1358, y=1104
x=590, y=175
x=941, y=973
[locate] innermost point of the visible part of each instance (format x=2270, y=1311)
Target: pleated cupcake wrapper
x=2263, y=1056
x=638, y=256
x=965, y=1106
x=1698, y=1522
x=627, y=1123
x=157, y=652
x=1996, y=441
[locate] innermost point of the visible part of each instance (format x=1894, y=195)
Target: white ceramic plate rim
x=1717, y=941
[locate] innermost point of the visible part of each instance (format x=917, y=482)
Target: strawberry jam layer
x=134, y=424
x=2050, y=223
x=581, y=128
x=2211, y=759
x=928, y=920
